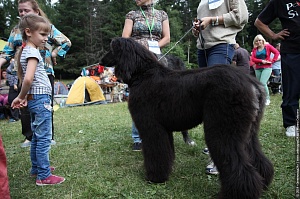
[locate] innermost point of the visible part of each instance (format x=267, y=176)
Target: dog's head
x=129, y=58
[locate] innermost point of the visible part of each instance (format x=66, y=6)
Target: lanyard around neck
x=147, y=22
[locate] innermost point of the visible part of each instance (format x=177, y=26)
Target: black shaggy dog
x=175, y=63
x=229, y=103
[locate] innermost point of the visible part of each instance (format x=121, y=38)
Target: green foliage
x=176, y=50
x=2, y=22
x=91, y=24
x=93, y=152
x=8, y=17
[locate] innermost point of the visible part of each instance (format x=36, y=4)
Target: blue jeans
x=41, y=124
x=218, y=54
x=276, y=72
x=135, y=134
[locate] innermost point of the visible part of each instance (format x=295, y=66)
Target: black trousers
x=290, y=71
x=13, y=113
x=25, y=116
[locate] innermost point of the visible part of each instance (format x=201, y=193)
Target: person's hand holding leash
x=205, y=21
x=196, y=27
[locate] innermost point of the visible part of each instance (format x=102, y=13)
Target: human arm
x=127, y=30
x=237, y=16
x=10, y=48
x=13, y=43
x=230, y=13
x=2, y=62
x=165, y=39
x=263, y=28
x=253, y=57
x=60, y=41
x=257, y=60
x=53, y=56
x=203, y=23
x=279, y=57
x=163, y=36
x=206, y=21
x=275, y=53
x=21, y=100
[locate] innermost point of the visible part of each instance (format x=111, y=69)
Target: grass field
x=94, y=153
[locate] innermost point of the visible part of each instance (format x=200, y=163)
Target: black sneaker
x=137, y=146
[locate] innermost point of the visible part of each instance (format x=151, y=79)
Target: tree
x=72, y=20
x=91, y=24
x=2, y=22
x=9, y=14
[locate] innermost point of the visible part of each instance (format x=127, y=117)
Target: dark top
x=288, y=12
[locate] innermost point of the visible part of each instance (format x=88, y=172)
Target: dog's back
x=175, y=63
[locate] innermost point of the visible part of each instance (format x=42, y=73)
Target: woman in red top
x=263, y=63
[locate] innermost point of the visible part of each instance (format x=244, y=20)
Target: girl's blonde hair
x=34, y=23
x=259, y=37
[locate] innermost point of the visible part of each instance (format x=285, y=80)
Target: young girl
x=36, y=93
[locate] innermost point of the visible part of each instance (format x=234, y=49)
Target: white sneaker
x=268, y=102
x=291, y=131
x=205, y=151
x=53, y=142
x=211, y=168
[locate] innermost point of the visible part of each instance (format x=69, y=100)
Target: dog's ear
x=124, y=50
x=107, y=60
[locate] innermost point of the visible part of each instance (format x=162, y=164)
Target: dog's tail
x=262, y=164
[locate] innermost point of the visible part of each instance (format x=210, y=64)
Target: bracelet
x=215, y=23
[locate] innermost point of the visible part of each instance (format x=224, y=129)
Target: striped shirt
x=40, y=83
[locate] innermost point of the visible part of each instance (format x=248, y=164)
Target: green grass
x=99, y=163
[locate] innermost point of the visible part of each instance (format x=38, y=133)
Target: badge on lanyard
x=213, y=4
x=153, y=46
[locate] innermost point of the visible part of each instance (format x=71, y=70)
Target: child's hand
x=19, y=103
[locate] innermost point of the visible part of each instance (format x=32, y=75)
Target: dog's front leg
x=158, y=151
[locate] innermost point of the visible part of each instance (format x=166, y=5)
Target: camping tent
x=2, y=44
x=85, y=91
